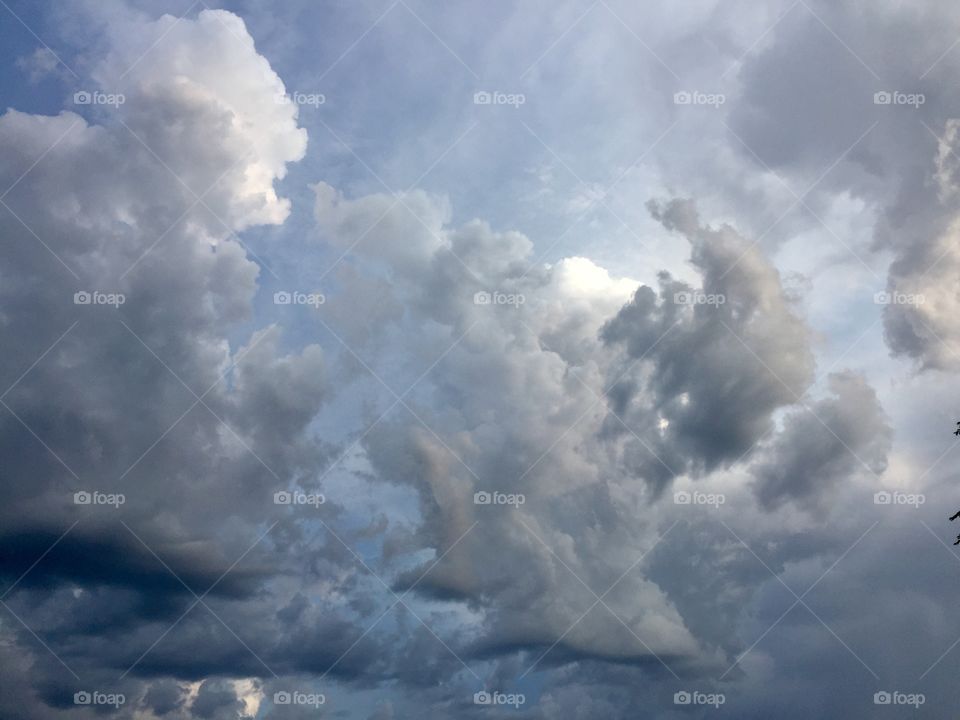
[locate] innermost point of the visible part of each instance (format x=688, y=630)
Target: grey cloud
x=216, y=700
x=164, y=697
x=491, y=383
x=716, y=372
x=835, y=439
x=113, y=406
x=801, y=113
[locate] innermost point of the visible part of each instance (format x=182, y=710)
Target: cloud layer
x=461, y=457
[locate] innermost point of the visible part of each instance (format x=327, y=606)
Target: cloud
x=810, y=124
x=835, y=439
x=717, y=361
x=921, y=319
x=159, y=398
x=512, y=359
x=494, y=435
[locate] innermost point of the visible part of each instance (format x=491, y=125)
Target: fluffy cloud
x=812, y=124
x=921, y=319
x=150, y=398
x=491, y=434
x=826, y=444
x=718, y=360
x=697, y=387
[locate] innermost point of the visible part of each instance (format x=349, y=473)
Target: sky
x=395, y=358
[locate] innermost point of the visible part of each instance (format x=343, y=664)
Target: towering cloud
x=149, y=400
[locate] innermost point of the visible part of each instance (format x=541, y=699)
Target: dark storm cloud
x=110, y=555
x=717, y=369
x=164, y=697
x=215, y=700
